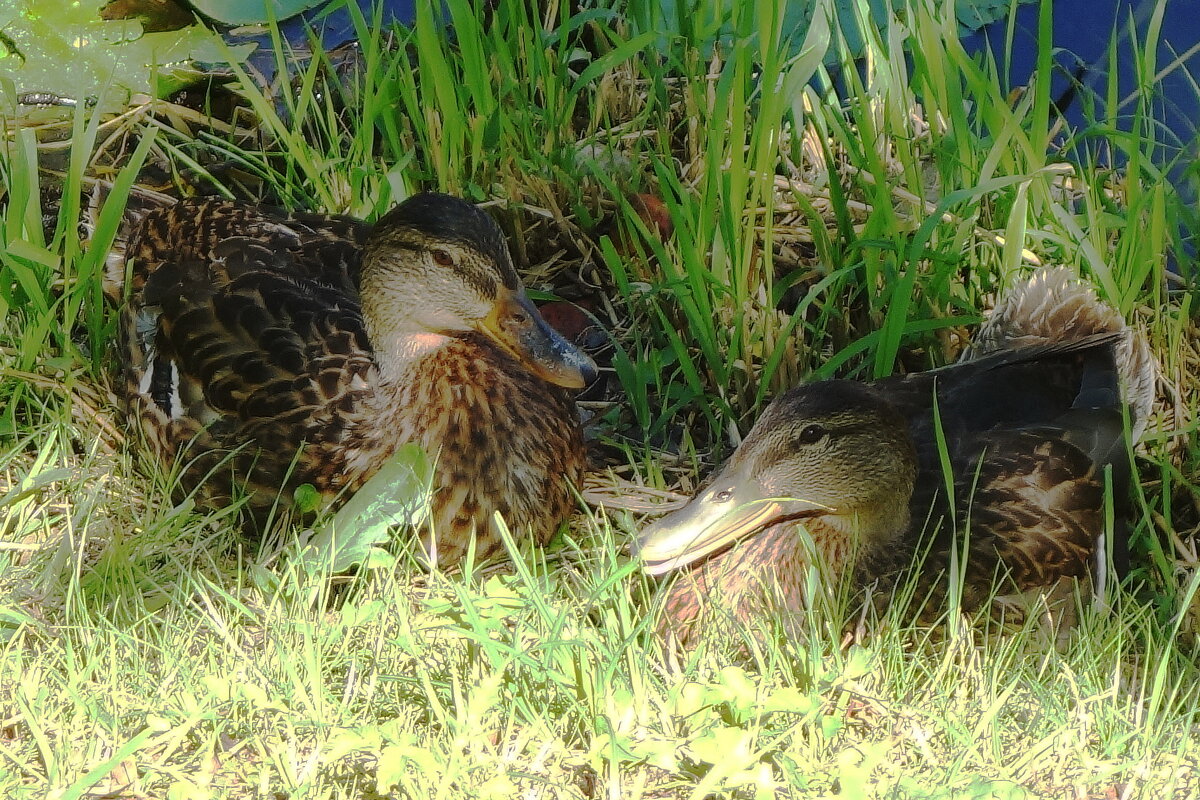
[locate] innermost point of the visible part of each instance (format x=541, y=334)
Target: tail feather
x=1055, y=306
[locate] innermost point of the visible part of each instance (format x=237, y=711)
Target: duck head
x=834, y=452
x=435, y=266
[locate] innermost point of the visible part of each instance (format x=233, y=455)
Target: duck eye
x=811, y=434
x=722, y=496
x=443, y=258
x=520, y=318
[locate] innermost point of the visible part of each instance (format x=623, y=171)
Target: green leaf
x=396, y=760
x=12, y=619
x=979, y=788
x=831, y=725
x=97, y=773
x=356, y=616
x=861, y=662
x=740, y=694
x=614, y=747
x=397, y=495
x=791, y=700
x=689, y=698
x=724, y=745
x=64, y=48
x=352, y=740
x=306, y=498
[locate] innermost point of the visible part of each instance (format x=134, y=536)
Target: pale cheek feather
x=358, y=461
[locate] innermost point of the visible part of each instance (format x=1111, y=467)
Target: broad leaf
x=63, y=48
x=396, y=496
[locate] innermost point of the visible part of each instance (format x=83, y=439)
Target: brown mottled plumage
x=252, y=361
x=1029, y=429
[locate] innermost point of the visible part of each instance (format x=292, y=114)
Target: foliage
x=397, y=496
x=63, y=48
x=706, y=24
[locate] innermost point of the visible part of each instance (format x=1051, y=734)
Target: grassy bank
x=852, y=220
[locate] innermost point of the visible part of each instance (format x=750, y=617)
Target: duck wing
x=1026, y=435
x=243, y=325
x=1032, y=507
x=326, y=248
x=1053, y=305
x=1026, y=386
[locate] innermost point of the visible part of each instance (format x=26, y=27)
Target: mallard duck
x=847, y=477
x=263, y=350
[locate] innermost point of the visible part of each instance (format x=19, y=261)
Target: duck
x=996, y=463
x=263, y=350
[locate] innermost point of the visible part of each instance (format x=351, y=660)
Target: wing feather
x=244, y=325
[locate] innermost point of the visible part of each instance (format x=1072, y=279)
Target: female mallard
x=1029, y=428
x=263, y=350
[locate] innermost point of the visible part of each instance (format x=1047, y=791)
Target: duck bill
x=700, y=528
x=517, y=327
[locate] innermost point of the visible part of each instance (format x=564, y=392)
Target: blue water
x=1081, y=37
x=1082, y=30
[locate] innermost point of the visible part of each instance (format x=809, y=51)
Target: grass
x=842, y=222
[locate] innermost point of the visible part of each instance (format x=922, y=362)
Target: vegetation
x=849, y=224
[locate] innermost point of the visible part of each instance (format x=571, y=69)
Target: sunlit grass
x=845, y=222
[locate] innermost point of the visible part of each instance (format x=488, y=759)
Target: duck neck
x=835, y=544
x=771, y=569
x=397, y=343
x=870, y=527
x=397, y=351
